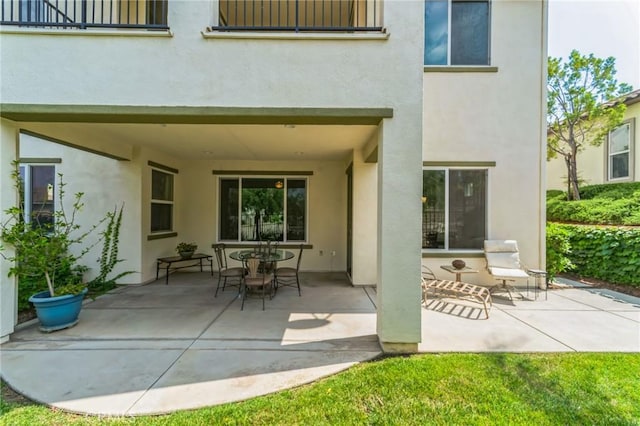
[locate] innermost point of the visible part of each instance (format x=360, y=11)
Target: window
x=39, y=194
x=619, y=152
x=260, y=209
x=456, y=32
x=161, y=201
x=454, y=209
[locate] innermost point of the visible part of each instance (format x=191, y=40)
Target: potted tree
x=44, y=252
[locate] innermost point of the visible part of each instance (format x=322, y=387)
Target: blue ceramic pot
x=58, y=312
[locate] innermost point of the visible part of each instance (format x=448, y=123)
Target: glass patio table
x=272, y=256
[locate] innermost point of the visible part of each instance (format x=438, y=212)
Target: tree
x=581, y=108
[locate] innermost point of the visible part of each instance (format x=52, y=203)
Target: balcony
x=300, y=15
x=83, y=14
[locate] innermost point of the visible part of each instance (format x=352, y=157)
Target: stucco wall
x=106, y=184
x=497, y=117
x=326, y=197
x=465, y=117
x=187, y=69
x=8, y=198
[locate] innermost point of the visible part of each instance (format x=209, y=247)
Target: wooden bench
x=458, y=289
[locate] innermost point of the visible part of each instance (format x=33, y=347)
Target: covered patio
x=326, y=163
x=158, y=348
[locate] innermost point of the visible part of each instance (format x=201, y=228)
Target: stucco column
x=365, y=201
x=8, y=285
x=399, y=252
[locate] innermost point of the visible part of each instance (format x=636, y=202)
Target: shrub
x=607, y=253
x=612, y=191
x=558, y=250
x=611, y=204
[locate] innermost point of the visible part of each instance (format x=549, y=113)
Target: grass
x=484, y=389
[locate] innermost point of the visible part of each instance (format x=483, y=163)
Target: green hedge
x=558, y=250
x=612, y=204
x=607, y=253
x=612, y=191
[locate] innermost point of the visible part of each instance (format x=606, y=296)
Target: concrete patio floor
x=160, y=348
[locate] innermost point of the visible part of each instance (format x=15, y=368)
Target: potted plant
x=43, y=251
x=186, y=250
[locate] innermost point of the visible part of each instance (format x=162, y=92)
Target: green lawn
x=487, y=389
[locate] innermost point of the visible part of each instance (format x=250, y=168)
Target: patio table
x=458, y=272
x=273, y=256
x=166, y=262
x=266, y=257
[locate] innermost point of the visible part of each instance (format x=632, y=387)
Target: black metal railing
x=82, y=14
x=300, y=15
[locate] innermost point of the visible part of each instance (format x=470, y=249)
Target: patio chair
x=224, y=272
x=503, y=263
x=290, y=277
x=256, y=282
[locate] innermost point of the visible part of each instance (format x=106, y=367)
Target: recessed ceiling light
x=207, y=152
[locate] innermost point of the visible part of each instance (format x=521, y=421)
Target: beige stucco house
x=617, y=159
x=398, y=132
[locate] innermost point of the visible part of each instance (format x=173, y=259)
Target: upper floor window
x=619, y=152
x=454, y=209
x=161, y=201
x=82, y=14
x=456, y=32
x=300, y=15
x=261, y=209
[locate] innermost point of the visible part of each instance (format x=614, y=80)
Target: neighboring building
x=183, y=109
x=617, y=159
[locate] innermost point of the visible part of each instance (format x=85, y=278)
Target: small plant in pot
x=186, y=250
x=43, y=251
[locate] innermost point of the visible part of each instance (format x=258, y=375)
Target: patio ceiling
x=261, y=142
x=196, y=133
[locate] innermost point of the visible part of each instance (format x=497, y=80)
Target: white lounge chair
x=503, y=263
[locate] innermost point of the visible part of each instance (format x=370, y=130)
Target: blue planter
x=56, y=313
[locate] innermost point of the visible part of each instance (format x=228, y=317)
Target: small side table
x=166, y=262
x=458, y=272
x=539, y=282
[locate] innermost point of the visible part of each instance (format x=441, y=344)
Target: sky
x=602, y=27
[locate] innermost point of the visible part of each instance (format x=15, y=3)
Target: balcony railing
x=300, y=15
x=82, y=14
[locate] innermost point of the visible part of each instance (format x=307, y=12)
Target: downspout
x=542, y=219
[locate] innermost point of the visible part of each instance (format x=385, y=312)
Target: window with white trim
x=39, y=183
x=454, y=208
x=619, y=152
x=262, y=208
x=161, y=201
x=457, y=32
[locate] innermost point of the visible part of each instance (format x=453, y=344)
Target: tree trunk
x=573, y=193
x=49, y=284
